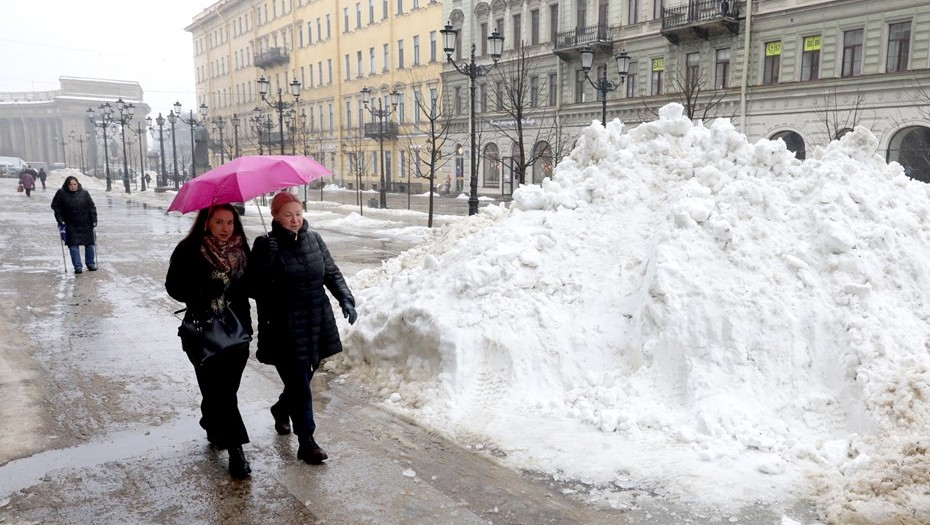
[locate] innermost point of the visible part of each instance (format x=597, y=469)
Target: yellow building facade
x=334, y=49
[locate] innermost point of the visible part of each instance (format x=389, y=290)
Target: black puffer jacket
x=190, y=281
x=77, y=210
x=295, y=318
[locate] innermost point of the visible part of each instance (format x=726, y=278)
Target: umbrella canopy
x=244, y=178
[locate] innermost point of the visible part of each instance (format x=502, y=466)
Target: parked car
x=11, y=166
x=239, y=207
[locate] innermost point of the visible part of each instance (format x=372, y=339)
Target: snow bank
x=709, y=318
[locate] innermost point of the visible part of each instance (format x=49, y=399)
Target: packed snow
x=681, y=312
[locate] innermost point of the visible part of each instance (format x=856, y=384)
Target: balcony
x=701, y=19
x=271, y=57
x=373, y=130
x=568, y=43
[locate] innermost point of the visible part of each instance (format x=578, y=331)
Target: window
x=358, y=15
x=632, y=11
x=483, y=30
x=517, y=31
x=553, y=22
x=417, y=104
x=852, y=53
x=319, y=30
x=347, y=67
x=810, y=58
x=371, y=60
x=310, y=33
x=371, y=11
x=416, y=50
x=329, y=66
x=484, y=97
x=658, y=9
x=534, y=92
x=722, y=72
x=579, y=86
x=899, y=39
x=384, y=9
x=772, y=62
x=348, y=113
x=361, y=114
x=553, y=89
x=692, y=70
x=358, y=63
x=432, y=46
x=457, y=101
x=345, y=19
x=631, y=81
x=387, y=57
x=580, y=14
x=400, y=7
x=658, y=68
x=310, y=76
x=330, y=116
x=416, y=4
x=319, y=66
x=402, y=109
x=329, y=27
x=499, y=96
x=534, y=27
x=400, y=54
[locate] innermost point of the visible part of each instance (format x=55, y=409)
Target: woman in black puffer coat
x=207, y=272
x=76, y=215
x=288, y=271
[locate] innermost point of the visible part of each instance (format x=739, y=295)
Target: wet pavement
x=100, y=406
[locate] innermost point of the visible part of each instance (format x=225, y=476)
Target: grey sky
x=111, y=39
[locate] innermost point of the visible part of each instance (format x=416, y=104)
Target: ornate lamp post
x=192, y=121
x=140, y=131
x=80, y=140
x=106, y=118
x=603, y=85
x=235, y=125
x=280, y=106
x=219, y=125
x=472, y=71
x=160, y=120
x=125, y=116
x=381, y=114
x=172, y=118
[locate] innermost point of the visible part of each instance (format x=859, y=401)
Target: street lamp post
x=382, y=114
x=160, y=120
x=172, y=119
x=192, y=121
x=603, y=85
x=219, y=125
x=472, y=71
x=80, y=140
x=125, y=115
x=60, y=141
x=291, y=121
x=280, y=106
x=140, y=131
x=235, y=125
x=106, y=118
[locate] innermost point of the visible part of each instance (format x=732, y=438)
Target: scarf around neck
x=228, y=257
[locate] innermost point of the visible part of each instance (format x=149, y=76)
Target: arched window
x=910, y=147
x=542, y=163
x=842, y=133
x=793, y=141
x=492, y=165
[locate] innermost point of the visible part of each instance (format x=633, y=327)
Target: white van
x=11, y=166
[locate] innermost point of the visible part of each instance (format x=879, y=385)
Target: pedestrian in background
x=27, y=179
x=42, y=177
x=76, y=213
x=207, y=272
x=288, y=271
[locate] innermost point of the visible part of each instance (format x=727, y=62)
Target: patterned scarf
x=228, y=257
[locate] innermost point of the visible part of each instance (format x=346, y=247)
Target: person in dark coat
x=42, y=177
x=207, y=271
x=28, y=180
x=77, y=217
x=289, y=271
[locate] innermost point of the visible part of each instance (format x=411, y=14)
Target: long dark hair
x=68, y=180
x=199, y=227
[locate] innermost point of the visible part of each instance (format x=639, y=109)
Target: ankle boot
x=282, y=422
x=238, y=465
x=310, y=452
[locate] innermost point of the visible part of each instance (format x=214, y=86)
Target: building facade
x=52, y=126
x=334, y=49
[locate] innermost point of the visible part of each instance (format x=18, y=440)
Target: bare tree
x=834, y=117
x=358, y=163
x=693, y=91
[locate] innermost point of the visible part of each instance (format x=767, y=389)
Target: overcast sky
x=111, y=39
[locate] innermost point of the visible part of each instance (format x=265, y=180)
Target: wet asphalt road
x=99, y=407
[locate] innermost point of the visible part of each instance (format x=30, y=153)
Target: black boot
x=282, y=422
x=310, y=452
x=238, y=465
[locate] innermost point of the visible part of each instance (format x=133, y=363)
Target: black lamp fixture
x=280, y=105
x=381, y=114
x=602, y=84
x=192, y=121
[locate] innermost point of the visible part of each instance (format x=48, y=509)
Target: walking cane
x=61, y=236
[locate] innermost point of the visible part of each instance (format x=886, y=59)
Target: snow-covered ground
x=681, y=310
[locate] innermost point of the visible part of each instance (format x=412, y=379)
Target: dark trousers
x=296, y=398
x=219, y=381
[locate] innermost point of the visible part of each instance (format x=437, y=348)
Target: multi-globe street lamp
x=602, y=84
x=219, y=126
x=160, y=120
x=106, y=118
x=80, y=140
x=381, y=114
x=172, y=119
x=473, y=71
x=262, y=125
x=125, y=116
x=280, y=105
x=235, y=124
x=140, y=131
x=192, y=121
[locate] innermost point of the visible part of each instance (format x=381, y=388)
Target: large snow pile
x=678, y=310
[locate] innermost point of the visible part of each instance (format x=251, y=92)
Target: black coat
x=295, y=317
x=79, y=214
x=190, y=281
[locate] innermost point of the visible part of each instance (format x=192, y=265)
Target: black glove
x=348, y=311
x=62, y=232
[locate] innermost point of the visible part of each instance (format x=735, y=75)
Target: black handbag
x=203, y=337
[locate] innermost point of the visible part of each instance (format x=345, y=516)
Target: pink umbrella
x=244, y=178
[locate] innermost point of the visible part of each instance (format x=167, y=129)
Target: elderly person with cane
x=76, y=215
